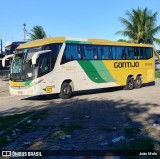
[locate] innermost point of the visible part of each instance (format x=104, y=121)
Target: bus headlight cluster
x=29, y=74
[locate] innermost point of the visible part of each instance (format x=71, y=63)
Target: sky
x=72, y=18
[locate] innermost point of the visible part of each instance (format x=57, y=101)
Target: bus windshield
x=22, y=68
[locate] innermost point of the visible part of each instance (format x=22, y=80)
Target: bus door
x=45, y=66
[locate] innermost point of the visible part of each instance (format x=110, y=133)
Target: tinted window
x=55, y=49
x=99, y=52
x=45, y=64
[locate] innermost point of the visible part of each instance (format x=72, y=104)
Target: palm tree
x=37, y=33
x=140, y=26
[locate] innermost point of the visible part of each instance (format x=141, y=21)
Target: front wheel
x=66, y=91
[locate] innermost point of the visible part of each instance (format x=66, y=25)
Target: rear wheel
x=138, y=82
x=66, y=91
x=130, y=83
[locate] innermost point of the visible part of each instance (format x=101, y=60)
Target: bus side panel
x=84, y=76
x=95, y=74
x=121, y=69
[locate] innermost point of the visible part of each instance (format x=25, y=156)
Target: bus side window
x=67, y=54
x=110, y=54
x=79, y=52
x=123, y=53
x=106, y=52
x=71, y=52
x=131, y=53
x=83, y=53
x=148, y=53
x=136, y=53
x=95, y=53
x=100, y=53
x=114, y=52
x=142, y=53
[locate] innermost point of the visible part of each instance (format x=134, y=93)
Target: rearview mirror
x=36, y=55
x=6, y=57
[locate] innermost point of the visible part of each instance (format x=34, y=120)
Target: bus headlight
x=29, y=74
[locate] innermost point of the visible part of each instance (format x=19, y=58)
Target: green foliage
x=3, y=140
x=140, y=26
x=56, y=135
x=37, y=33
x=157, y=74
x=138, y=144
x=123, y=40
x=132, y=132
x=68, y=129
x=10, y=120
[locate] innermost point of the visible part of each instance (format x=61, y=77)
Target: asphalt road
x=99, y=112
x=15, y=104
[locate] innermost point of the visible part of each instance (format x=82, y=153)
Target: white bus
x=63, y=65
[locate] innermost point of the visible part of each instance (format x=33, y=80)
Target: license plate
x=20, y=92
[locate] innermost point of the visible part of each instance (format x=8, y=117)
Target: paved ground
x=92, y=119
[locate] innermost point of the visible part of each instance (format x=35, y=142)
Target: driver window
x=44, y=64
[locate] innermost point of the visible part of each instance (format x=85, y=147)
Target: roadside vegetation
x=37, y=33
x=157, y=74
x=140, y=27
x=12, y=126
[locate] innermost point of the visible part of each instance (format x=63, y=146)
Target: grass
x=139, y=144
x=132, y=132
x=65, y=129
x=157, y=74
x=149, y=129
x=8, y=121
x=68, y=129
x=41, y=114
x=56, y=135
x=3, y=140
x=110, y=129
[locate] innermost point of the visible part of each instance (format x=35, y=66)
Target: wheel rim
x=130, y=84
x=66, y=90
x=138, y=81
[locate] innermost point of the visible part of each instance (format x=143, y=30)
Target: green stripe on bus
x=77, y=42
x=27, y=83
x=72, y=42
x=103, y=71
x=91, y=72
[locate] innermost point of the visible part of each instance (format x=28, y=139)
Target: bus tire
x=66, y=91
x=138, y=82
x=130, y=83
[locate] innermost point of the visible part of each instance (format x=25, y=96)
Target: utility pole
x=25, y=32
x=1, y=42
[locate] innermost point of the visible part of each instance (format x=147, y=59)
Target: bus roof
x=46, y=41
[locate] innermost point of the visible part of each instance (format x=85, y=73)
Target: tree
x=140, y=26
x=123, y=40
x=37, y=33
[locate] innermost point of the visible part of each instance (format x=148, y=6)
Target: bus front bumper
x=29, y=90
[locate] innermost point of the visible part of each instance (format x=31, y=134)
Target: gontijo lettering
x=126, y=64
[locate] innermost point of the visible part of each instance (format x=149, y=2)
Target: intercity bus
x=11, y=47
x=63, y=65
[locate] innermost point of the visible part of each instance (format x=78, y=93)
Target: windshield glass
x=22, y=68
